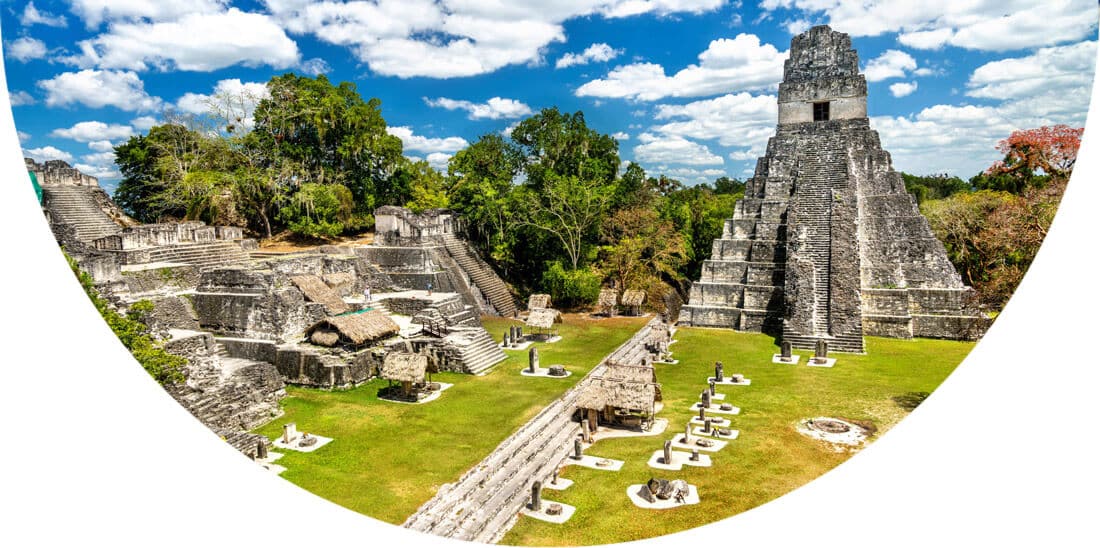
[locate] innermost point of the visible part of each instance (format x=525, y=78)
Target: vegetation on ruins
x=993, y=225
x=130, y=328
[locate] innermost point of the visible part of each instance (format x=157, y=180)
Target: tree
x=152, y=165
x=567, y=208
x=426, y=187
x=318, y=210
x=725, y=185
x=479, y=185
x=1051, y=149
x=559, y=144
x=933, y=187
x=641, y=249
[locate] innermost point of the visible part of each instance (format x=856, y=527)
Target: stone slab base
x=632, y=493
x=521, y=346
x=698, y=431
x=431, y=397
x=606, y=432
x=829, y=362
x=715, y=408
x=727, y=382
x=668, y=362
x=589, y=461
x=777, y=358
x=714, y=421
x=544, y=372
x=679, y=460
x=566, y=512
x=293, y=445
x=561, y=485
x=677, y=443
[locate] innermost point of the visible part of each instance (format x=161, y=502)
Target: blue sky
x=687, y=86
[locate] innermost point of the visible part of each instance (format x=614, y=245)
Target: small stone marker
x=726, y=407
x=576, y=448
x=585, y=432
x=712, y=391
x=290, y=432
x=536, y=496
x=821, y=351
x=737, y=378
x=706, y=426
x=261, y=450
x=785, y=351
x=695, y=455
x=702, y=414
x=667, y=458
x=705, y=396
x=687, y=434
x=554, y=480
x=507, y=340
x=533, y=359
x=718, y=371
x=556, y=371
x=554, y=509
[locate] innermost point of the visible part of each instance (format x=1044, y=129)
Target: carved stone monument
x=536, y=496
x=785, y=351
x=718, y=371
x=533, y=359
x=666, y=458
x=705, y=396
x=576, y=448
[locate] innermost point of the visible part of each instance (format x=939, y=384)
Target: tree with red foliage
x=1052, y=149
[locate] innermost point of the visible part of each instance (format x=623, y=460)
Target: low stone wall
x=304, y=366
x=167, y=278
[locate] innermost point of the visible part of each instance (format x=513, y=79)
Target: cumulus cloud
x=195, y=42
x=672, y=149
x=21, y=98
x=101, y=146
x=901, y=89
x=686, y=175
x=33, y=16
x=420, y=143
x=231, y=100
x=23, y=136
x=621, y=135
x=439, y=160
x=26, y=49
x=104, y=159
x=95, y=12
x=42, y=154
x=99, y=88
x=596, y=53
x=733, y=120
x=1048, y=68
x=409, y=38
x=91, y=131
x=727, y=65
x=99, y=171
x=143, y=123
x=497, y=108
x=891, y=64
x=997, y=26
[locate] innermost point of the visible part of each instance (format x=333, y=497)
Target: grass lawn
x=769, y=458
x=389, y=458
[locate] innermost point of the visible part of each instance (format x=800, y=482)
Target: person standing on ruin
x=367, y=295
x=429, y=288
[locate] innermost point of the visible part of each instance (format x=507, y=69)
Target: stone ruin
x=827, y=243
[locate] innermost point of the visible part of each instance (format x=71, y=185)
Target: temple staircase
x=76, y=206
x=487, y=281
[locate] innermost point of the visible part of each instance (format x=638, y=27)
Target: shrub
x=571, y=288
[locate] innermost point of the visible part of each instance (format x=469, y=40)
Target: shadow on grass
x=910, y=400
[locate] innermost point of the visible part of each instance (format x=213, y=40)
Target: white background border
x=93, y=452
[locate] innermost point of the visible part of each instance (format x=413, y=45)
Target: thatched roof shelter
x=353, y=329
x=316, y=290
x=633, y=297
x=543, y=318
x=538, y=300
x=633, y=374
x=608, y=298
x=404, y=367
x=601, y=393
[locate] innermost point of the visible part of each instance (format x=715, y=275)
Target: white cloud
x=507, y=132
x=21, y=98
x=439, y=160
x=42, y=154
x=426, y=144
x=670, y=149
x=686, y=175
x=91, y=131
x=621, y=135
x=231, y=99
x=104, y=159
x=496, y=108
x=94, y=12
x=99, y=88
x=740, y=64
x=998, y=26
x=314, y=66
x=143, y=123
x=101, y=146
x=1047, y=69
x=409, y=38
x=734, y=120
x=596, y=53
x=32, y=16
x=901, y=89
x=797, y=26
x=26, y=49
x=99, y=171
x=23, y=136
x=195, y=41
x=891, y=64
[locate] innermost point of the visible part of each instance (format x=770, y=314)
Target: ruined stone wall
x=251, y=303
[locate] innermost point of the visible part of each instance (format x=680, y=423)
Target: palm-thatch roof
x=338, y=280
x=632, y=374
x=633, y=297
x=601, y=393
x=608, y=298
x=543, y=318
x=404, y=367
x=316, y=290
x=538, y=300
x=355, y=329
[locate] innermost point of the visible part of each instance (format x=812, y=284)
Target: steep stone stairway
x=76, y=206
x=490, y=285
x=201, y=254
x=476, y=349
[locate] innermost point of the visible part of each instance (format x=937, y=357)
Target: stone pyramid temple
x=827, y=244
